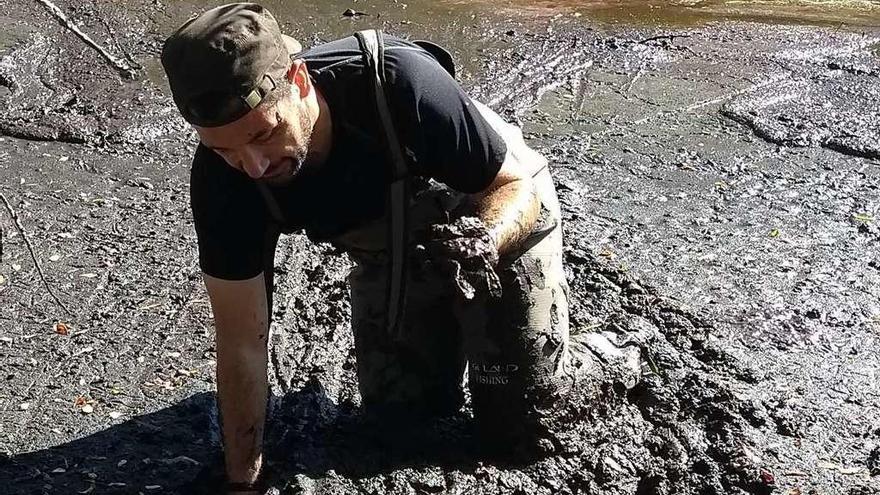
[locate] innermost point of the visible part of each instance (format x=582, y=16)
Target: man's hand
x=466, y=240
x=466, y=250
x=242, y=489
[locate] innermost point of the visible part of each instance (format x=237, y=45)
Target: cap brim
x=293, y=46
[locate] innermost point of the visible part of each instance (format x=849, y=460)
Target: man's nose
x=253, y=162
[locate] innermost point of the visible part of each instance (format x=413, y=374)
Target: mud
x=719, y=185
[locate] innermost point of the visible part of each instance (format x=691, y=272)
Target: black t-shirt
x=442, y=132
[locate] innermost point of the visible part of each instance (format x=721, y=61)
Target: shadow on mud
x=176, y=449
x=311, y=434
x=159, y=449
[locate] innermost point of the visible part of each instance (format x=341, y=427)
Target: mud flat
x=719, y=176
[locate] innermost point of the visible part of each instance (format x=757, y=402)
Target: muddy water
x=303, y=19
x=697, y=12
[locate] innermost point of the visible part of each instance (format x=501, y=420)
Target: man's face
x=270, y=143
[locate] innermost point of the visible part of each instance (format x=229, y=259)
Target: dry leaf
x=80, y=401
x=61, y=328
x=16, y=267
x=2, y=279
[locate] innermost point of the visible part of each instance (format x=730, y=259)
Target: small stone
x=24, y=406
x=115, y=414
x=87, y=409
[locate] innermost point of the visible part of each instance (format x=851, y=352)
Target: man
x=293, y=141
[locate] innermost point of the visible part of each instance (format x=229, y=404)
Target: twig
x=636, y=77
x=123, y=67
x=30, y=248
x=670, y=37
x=119, y=47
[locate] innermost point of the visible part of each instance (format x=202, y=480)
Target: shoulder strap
x=371, y=45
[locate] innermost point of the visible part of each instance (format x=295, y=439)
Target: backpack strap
x=372, y=46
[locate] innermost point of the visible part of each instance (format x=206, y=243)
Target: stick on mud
x=30, y=248
x=123, y=67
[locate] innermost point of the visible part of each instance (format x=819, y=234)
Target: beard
x=291, y=167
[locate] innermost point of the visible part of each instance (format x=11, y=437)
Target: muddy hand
x=465, y=250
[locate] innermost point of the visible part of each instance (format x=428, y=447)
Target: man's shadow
x=177, y=449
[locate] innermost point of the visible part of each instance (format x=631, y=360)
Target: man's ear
x=298, y=75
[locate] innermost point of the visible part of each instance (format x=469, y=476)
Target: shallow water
x=695, y=12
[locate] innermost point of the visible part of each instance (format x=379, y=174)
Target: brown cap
x=223, y=62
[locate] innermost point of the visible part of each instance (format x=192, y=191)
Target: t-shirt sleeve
x=443, y=131
x=230, y=219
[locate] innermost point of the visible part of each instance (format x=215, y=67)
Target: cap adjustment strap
x=263, y=88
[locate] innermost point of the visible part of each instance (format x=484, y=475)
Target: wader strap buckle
x=372, y=46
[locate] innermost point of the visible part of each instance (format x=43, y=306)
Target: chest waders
x=373, y=50
x=413, y=337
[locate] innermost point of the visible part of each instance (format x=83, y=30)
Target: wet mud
x=719, y=183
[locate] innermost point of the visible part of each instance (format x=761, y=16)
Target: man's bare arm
x=509, y=206
x=241, y=321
